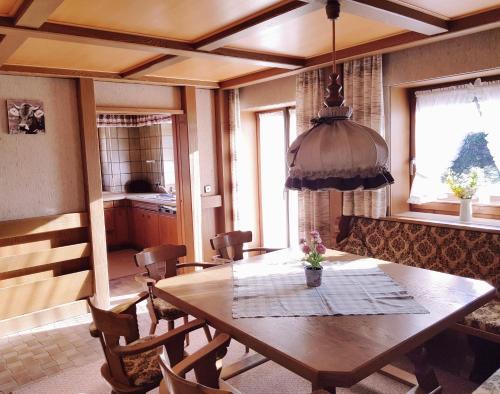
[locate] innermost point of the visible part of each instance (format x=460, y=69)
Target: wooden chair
x=206, y=369
x=134, y=367
x=234, y=241
x=162, y=262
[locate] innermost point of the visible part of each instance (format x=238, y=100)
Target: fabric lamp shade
x=337, y=153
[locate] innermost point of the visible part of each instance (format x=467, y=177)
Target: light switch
x=207, y=188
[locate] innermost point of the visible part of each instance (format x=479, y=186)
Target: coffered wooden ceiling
x=215, y=43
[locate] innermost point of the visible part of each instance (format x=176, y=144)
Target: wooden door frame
x=184, y=214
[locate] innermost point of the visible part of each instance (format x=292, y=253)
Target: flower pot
x=466, y=210
x=313, y=276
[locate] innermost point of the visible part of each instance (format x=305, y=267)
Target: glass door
x=278, y=207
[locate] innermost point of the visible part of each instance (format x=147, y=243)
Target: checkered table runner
x=265, y=290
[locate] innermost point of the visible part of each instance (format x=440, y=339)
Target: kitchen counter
x=151, y=198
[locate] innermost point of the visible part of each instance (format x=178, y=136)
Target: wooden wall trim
x=44, y=257
x=137, y=111
x=189, y=106
x=93, y=189
x=183, y=185
x=43, y=294
x=44, y=224
x=46, y=316
x=223, y=149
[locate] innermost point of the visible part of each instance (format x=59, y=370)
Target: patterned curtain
x=363, y=92
x=118, y=120
x=314, y=207
x=234, y=135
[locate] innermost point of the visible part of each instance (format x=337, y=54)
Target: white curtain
x=363, y=91
x=443, y=118
x=314, y=207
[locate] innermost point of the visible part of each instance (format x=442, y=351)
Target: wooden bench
x=464, y=252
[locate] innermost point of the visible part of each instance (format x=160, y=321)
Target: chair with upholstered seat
x=229, y=246
x=162, y=262
x=133, y=367
x=206, y=369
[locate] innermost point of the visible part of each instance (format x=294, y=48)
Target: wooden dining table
x=334, y=351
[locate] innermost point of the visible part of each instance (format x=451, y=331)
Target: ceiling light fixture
x=336, y=152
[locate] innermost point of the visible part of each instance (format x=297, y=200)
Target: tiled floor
x=46, y=350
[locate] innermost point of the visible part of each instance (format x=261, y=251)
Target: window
x=278, y=207
x=456, y=131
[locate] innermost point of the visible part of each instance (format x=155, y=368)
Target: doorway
x=276, y=130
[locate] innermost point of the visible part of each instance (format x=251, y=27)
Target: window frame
x=286, y=116
x=480, y=210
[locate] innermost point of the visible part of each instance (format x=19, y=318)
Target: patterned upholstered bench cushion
x=491, y=386
x=486, y=318
x=472, y=254
x=467, y=253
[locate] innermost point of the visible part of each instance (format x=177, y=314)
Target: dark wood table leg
x=426, y=377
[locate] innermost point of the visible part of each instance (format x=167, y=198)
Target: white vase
x=466, y=210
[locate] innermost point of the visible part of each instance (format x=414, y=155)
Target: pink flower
x=305, y=248
x=320, y=248
x=314, y=234
x=302, y=241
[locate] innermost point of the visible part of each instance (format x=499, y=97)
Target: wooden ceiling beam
x=34, y=13
x=482, y=21
x=269, y=17
x=83, y=35
x=151, y=66
x=8, y=45
x=395, y=14
x=102, y=76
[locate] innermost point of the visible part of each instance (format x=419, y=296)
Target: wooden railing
x=45, y=271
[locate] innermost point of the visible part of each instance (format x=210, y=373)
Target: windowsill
x=478, y=224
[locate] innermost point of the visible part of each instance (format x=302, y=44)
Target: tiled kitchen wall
x=130, y=153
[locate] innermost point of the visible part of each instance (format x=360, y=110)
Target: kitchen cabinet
x=139, y=225
x=117, y=226
x=168, y=229
x=121, y=233
x=152, y=233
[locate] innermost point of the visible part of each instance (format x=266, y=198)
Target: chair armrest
x=126, y=305
x=203, y=265
x=265, y=250
x=221, y=260
x=219, y=342
x=159, y=340
x=121, y=308
x=144, y=278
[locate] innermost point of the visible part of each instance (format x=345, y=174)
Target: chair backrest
x=161, y=261
x=109, y=327
x=233, y=240
x=177, y=384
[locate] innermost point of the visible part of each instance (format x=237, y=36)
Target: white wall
x=475, y=53
x=41, y=174
x=117, y=94
x=279, y=92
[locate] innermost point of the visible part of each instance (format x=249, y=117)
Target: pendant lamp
x=336, y=152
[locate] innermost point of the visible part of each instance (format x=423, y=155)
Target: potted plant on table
x=464, y=186
x=314, y=251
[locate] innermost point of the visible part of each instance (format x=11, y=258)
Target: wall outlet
x=207, y=188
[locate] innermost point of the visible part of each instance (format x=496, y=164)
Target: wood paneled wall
x=44, y=264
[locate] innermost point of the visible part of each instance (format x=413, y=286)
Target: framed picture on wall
x=26, y=116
